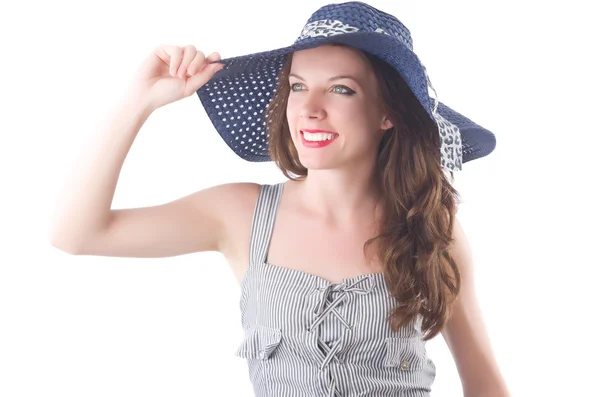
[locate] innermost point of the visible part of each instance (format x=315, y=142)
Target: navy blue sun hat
x=236, y=97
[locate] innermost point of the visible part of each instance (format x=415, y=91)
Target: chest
x=329, y=252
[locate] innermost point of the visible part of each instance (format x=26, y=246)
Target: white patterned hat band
x=237, y=96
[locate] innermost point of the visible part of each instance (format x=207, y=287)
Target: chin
x=317, y=164
x=313, y=160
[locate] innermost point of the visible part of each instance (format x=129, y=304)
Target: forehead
x=328, y=59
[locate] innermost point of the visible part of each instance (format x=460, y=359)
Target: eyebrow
x=330, y=79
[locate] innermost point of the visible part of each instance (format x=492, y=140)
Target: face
x=333, y=90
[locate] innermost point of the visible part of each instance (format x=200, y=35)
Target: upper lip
x=314, y=131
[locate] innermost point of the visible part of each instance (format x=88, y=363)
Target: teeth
x=317, y=136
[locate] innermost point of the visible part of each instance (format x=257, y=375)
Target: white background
x=93, y=326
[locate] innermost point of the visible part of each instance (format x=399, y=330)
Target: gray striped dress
x=305, y=336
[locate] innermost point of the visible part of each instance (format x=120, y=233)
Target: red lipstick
x=317, y=144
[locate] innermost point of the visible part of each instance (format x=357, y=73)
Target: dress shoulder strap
x=263, y=221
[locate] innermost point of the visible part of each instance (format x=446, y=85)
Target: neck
x=339, y=196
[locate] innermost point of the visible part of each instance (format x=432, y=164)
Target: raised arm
x=83, y=221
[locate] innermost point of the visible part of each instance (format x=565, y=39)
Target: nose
x=312, y=107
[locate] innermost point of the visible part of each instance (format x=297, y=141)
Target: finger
x=189, y=53
x=215, y=56
x=201, y=78
x=170, y=55
x=196, y=63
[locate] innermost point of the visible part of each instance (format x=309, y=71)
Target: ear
x=386, y=124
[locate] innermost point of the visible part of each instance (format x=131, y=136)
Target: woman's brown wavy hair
x=418, y=203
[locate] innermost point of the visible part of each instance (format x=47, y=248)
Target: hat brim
x=236, y=97
x=477, y=141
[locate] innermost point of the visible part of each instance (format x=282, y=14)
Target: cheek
x=292, y=114
x=292, y=109
x=354, y=115
x=361, y=125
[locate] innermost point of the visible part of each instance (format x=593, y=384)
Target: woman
x=350, y=266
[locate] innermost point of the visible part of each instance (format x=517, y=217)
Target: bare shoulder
x=238, y=201
x=235, y=194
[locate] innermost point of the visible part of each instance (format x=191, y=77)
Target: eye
x=344, y=90
x=338, y=89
